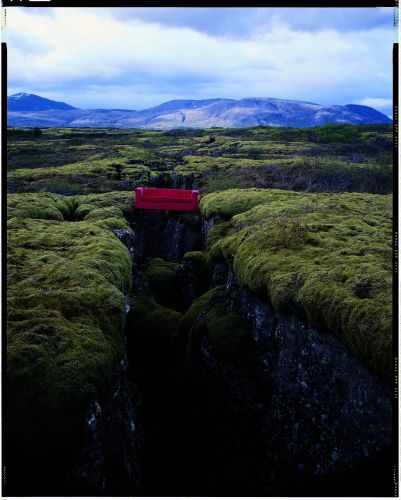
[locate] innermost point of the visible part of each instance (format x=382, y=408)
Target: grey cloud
x=130, y=71
x=240, y=22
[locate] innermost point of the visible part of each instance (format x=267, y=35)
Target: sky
x=136, y=58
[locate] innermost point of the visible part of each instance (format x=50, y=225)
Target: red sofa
x=166, y=199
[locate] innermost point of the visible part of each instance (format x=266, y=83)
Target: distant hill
x=29, y=110
x=32, y=102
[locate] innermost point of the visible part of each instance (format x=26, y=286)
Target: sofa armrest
x=139, y=192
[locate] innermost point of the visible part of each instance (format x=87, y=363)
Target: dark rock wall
x=110, y=462
x=296, y=413
x=166, y=234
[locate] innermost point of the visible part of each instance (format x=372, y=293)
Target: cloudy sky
x=134, y=58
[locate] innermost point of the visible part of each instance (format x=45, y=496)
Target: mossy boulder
x=200, y=307
x=150, y=320
x=200, y=259
x=228, y=334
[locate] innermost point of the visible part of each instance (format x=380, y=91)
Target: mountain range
x=30, y=110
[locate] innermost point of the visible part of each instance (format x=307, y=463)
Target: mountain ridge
x=32, y=102
x=30, y=110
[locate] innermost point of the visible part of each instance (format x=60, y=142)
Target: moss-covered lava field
x=299, y=218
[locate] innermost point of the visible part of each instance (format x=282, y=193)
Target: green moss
x=325, y=257
x=201, y=305
x=226, y=204
x=55, y=366
x=202, y=262
x=217, y=232
x=222, y=182
x=334, y=158
x=110, y=208
x=116, y=203
x=201, y=269
x=230, y=334
x=39, y=206
x=103, y=213
x=65, y=314
x=93, y=174
x=152, y=322
x=162, y=277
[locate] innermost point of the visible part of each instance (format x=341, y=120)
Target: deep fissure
x=204, y=424
x=189, y=445
x=177, y=443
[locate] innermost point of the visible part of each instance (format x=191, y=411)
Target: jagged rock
x=110, y=461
